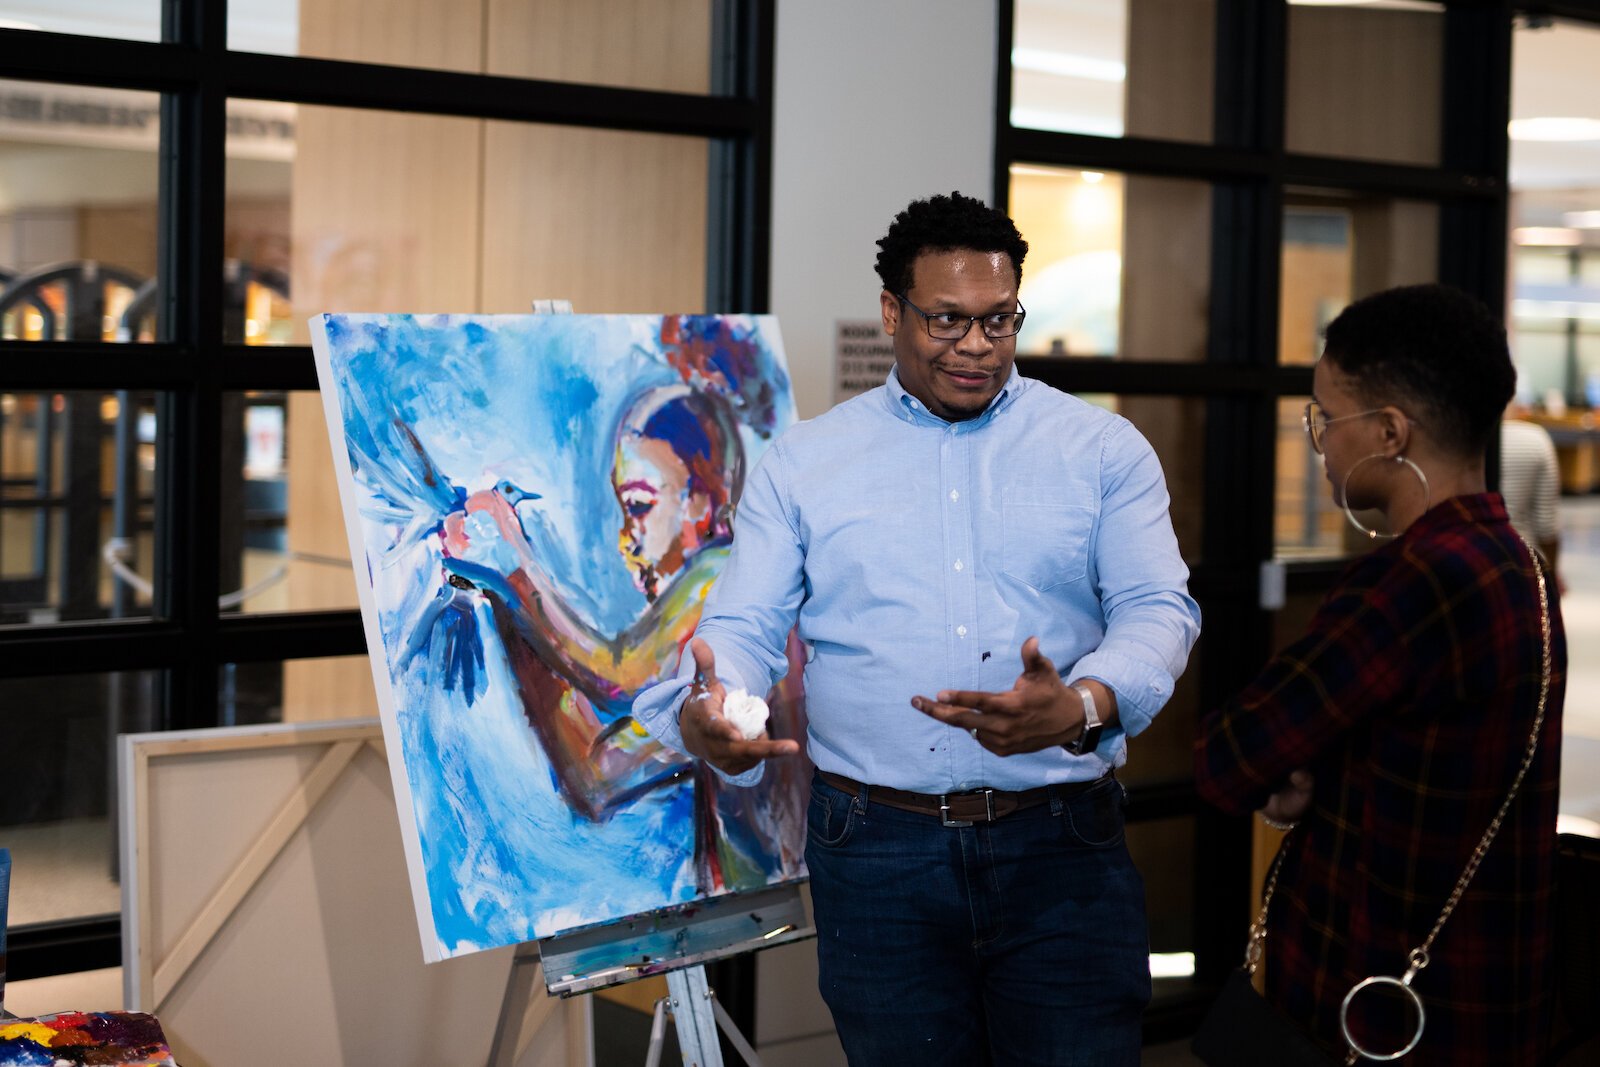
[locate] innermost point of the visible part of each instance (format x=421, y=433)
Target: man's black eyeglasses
x=949, y=326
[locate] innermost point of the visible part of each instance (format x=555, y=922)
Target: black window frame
x=1240, y=379
x=194, y=371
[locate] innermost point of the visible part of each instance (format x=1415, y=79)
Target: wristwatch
x=1086, y=741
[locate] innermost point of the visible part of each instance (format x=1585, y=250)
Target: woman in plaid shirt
x=1394, y=728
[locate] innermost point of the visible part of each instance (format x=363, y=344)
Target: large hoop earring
x=1427, y=497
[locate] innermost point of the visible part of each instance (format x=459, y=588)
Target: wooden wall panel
x=614, y=222
x=639, y=44
x=1171, y=57
x=1366, y=84
x=444, y=34
x=1166, y=269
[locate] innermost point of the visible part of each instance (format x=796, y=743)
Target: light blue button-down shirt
x=917, y=555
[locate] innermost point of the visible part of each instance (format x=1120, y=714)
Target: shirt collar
x=1473, y=509
x=907, y=408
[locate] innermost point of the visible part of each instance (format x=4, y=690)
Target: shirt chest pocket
x=1045, y=539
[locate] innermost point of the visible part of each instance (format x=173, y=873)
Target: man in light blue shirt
x=974, y=898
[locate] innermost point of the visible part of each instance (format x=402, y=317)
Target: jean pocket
x=830, y=818
x=1046, y=542
x=1094, y=818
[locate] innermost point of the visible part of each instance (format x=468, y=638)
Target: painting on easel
x=539, y=505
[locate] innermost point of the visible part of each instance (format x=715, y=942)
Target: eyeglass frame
x=1316, y=435
x=927, y=321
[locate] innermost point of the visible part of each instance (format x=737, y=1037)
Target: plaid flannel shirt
x=1411, y=700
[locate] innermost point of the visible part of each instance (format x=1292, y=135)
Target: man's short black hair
x=943, y=224
x=1435, y=352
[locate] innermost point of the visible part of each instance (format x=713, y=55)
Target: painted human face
x=954, y=379
x=660, y=519
x=1349, y=437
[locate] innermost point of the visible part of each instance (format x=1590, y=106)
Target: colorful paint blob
x=114, y=1038
x=538, y=505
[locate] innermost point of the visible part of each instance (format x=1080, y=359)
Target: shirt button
x=959, y=565
x=954, y=495
x=961, y=631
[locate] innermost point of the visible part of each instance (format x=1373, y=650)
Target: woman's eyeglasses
x=1316, y=422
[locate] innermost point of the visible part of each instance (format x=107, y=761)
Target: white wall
x=860, y=87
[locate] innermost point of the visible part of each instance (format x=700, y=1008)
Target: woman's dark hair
x=1434, y=351
x=943, y=224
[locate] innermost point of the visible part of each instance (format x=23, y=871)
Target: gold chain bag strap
x=1418, y=957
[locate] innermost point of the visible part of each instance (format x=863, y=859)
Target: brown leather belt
x=959, y=809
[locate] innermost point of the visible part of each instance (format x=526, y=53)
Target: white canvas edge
x=129, y=866
x=388, y=712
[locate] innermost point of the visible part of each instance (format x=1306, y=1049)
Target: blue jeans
x=1021, y=941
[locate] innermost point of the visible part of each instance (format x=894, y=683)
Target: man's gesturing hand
x=708, y=735
x=1037, y=712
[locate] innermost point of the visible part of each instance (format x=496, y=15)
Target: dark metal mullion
x=35, y=55
x=72, y=648
x=1240, y=430
x=1155, y=378
x=757, y=216
x=39, y=366
x=343, y=83
x=276, y=367
x=1583, y=10
x=1477, y=108
x=290, y=635
x=1136, y=155
x=1005, y=147
x=39, y=950
x=193, y=168
x=1392, y=179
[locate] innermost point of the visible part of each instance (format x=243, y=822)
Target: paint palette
x=118, y=1038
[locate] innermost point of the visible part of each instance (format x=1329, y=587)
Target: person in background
x=973, y=895
x=1530, y=482
x=1394, y=729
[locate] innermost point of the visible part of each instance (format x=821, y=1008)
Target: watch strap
x=1089, y=737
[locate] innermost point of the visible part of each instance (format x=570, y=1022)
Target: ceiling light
x=1547, y=236
x=1068, y=65
x=1554, y=129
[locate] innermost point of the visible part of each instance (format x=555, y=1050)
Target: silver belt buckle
x=944, y=808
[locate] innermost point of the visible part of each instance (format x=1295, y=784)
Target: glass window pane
x=78, y=212
x=1164, y=852
x=284, y=546
x=259, y=173
x=1366, y=80
x=642, y=44
x=133, y=20
x=1113, y=67
x=1164, y=753
x=58, y=807
x=1339, y=247
x=77, y=506
x=1118, y=265
x=302, y=690
x=377, y=211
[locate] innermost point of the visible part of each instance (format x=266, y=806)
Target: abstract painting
x=538, y=505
